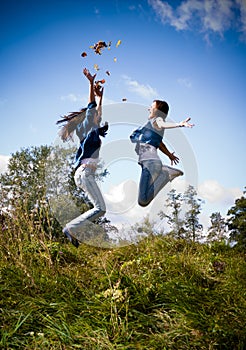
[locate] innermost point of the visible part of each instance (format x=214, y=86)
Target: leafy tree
x=192, y=225
x=174, y=202
x=23, y=183
x=217, y=230
x=237, y=222
x=40, y=182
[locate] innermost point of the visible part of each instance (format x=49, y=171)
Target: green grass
x=158, y=294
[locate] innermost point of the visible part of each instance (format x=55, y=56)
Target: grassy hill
x=158, y=294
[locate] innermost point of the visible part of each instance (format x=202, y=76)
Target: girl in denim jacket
x=148, y=139
x=86, y=123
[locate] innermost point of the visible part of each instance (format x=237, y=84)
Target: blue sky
x=190, y=53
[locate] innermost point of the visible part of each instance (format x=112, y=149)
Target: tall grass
x=158, y=294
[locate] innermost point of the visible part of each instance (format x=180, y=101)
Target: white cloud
x=214, y=192
x=145, y=91
x=208, y=15
x=3, y=163
x=71, y=97
x=242, y=6
x=122, y=197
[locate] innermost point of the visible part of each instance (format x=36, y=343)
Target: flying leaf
x=96, y=67
x=99, y=46
x=84, y=54
x=115, y=59
x=107, y=72
x=118, y=43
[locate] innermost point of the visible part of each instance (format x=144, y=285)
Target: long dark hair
x=71, y=121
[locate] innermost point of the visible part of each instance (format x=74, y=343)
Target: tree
x=237, y=222
x=39, y=182
x=192, y=225
x=174, y=203
x=217, y=230
x=23, y=183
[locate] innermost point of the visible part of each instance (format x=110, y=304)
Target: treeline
x=40, y=180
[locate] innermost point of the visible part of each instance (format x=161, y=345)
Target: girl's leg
x=152, y=180
x=85, y=178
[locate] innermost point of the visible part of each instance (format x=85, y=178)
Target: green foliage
x=193, y=227
x=174, y=202
x=161, y=293
x=217, y=230
x=24, y=181
x=183, y=226
x=237, y=222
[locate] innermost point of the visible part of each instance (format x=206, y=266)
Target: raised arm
x=171, y=156
x=91, y=79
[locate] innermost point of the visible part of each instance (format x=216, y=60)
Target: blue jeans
x=153, y=179
x=85, y=179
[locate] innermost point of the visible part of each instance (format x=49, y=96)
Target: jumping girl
x=86, y=123
x=148, y=139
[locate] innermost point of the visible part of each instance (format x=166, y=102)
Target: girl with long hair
x=86, y=124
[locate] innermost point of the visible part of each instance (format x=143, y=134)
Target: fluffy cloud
x=122, y=197
x=211, y=15
x=3, y=163
x=214, y=192
x=144, y=91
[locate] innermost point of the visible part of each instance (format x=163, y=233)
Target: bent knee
x=143, y=203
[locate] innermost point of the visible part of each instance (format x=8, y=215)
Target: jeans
x=85, y=179
x=153, y=179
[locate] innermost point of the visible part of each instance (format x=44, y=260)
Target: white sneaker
x=172, y=172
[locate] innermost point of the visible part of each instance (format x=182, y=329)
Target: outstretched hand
x=173, y=159
x=186, y=124
x=88, y=75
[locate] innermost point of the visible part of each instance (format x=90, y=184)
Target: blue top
x=148, y=134
x=83, y=127
x=88, y=133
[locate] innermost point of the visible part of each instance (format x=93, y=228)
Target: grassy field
x=158, y=294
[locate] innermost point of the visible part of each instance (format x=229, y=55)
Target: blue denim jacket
x=83, y=128
x=88, y=134
x=147, y=134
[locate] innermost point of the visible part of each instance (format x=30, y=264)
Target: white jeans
x=85, y=179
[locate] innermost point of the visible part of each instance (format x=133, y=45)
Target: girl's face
x=152, y=110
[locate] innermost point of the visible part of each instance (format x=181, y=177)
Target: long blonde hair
x=71, y=120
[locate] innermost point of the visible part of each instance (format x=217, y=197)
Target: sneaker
x=172, y=172
x=71, y=239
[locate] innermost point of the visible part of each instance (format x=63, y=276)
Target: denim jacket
x=147, y=134
x=88, y=134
